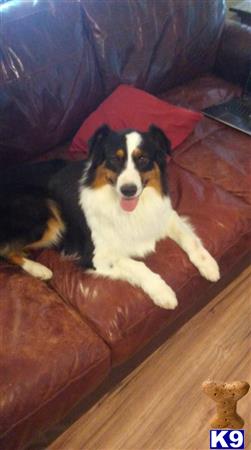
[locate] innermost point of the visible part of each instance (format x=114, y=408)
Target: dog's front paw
x=207, y=266
x=162, y=295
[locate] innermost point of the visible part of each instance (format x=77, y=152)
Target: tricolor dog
x=107, y=210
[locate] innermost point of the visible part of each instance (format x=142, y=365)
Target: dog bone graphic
x=226, y=396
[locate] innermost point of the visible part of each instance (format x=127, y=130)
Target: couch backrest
x=58, y=60
x=49, y=79
x=153, y=44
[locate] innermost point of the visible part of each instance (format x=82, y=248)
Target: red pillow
x=128, y=107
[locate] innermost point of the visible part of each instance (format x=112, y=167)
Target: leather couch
x=59, y=60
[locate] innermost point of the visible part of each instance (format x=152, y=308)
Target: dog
x=106, y=210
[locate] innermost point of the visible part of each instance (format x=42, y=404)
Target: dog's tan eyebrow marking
x=120, y=153
x=137, y=153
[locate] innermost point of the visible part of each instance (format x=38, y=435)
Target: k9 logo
x=227, y=439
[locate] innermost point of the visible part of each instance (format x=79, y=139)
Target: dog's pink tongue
x=129, y=204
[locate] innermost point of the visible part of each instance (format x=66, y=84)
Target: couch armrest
x=233, y=59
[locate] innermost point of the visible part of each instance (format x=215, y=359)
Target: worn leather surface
x=197, y=94
x=49, y=79
x=233, y=59
x=129, y=320
x=209, y=180
x=49, y=358
x=159, y=44
x=58, y=60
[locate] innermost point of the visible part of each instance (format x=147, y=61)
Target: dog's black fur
x=24, y=209
x=64, y=189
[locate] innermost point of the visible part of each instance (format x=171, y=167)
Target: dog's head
x=129, y=161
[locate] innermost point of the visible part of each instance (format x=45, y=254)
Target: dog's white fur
x=119, y=236
x=130, y=175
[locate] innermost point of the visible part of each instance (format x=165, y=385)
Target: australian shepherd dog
x=106, y=211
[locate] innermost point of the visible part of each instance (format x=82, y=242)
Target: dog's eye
x=143, y=161
x=115, y=159
x=115, y=162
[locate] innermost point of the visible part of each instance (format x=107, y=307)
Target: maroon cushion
x=49, y=358
x=128, y=107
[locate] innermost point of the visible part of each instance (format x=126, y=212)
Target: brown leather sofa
x=59, y=342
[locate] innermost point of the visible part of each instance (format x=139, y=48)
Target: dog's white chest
x=121, y=233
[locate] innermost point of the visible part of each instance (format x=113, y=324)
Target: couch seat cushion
x=208, y=179
x=49, y=358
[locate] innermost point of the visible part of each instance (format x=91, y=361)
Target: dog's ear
x=96, y=144
x=160, y=138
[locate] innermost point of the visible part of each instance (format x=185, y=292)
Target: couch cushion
x=49, y=358
x=214, y=151
x=210, y=187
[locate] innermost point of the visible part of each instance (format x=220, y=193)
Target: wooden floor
x=160, y=405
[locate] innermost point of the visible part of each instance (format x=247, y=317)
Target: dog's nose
x=128, y=190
